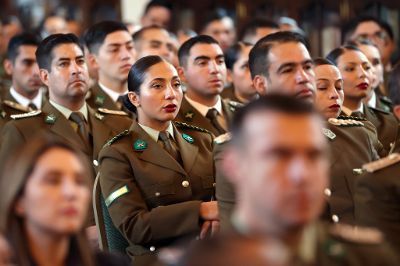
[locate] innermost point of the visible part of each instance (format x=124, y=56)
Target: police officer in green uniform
x=202, y=68
x=157, y=178
x=26, y=92
x=280, y=183
x=112, y=52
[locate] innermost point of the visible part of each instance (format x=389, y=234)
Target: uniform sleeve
x=129, y=211
x=11, y=140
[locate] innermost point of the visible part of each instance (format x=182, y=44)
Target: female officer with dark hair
x=157, y=178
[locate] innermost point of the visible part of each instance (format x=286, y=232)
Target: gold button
x=95, y=163
x=335, y=218
x=152, y=248
x=185, y=183
x=157, y=194
x=357, y=171
x=327, y=192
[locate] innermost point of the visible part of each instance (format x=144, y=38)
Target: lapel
x=190, y=115
x=187, y=150
x=153, y=153
x=228, y=113
x=101, y=99
x=371, y=116
x=100, y=132
x=9, y=97
x=62, y=127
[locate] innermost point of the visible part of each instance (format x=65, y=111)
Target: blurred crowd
x=130, y=144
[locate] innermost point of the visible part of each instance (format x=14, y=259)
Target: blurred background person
x=157, y=12
x=257, y=28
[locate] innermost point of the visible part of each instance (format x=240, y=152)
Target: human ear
x=260, y=84
x=134, y=98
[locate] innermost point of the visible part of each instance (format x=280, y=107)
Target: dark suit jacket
x=189, y=114
x=157, y=206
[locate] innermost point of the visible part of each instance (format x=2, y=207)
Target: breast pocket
x=159, y=194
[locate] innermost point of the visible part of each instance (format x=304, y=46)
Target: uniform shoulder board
x=16, y=106
x=184, y=125
x=223, y=138
x=111, y=112
x=345, y=122
x=386, y=100
x=26, y=115
x=379, y=110
x=357, y=234
x=381, y=163
x=349, y=117
x=116, y=137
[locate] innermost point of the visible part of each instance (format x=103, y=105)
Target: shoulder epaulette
x=111, y=112
x=116, y=137
x=223, y=138
x=184, y=125
x=381, y=163
x=345, y=122
x=349, y=117
x=26, y=115
x=379, y=110
x=357, y=234
x=16, y=106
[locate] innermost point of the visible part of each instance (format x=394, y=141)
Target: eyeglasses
x=379, y=35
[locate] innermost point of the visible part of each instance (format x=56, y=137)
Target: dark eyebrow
x=292, y=64
x=64, y=59
x=202, y=57
x=158, y=79
x=119, y=44
x=155, y=42
x=219, y=56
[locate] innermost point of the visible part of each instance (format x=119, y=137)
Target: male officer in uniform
x=112, y=52
x=280, y=182
x=202, y=68
x=26, y=93
x=63, y=69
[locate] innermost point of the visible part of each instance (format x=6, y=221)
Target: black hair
x=259, y=54
x=95, y=35
x=138, y=35
x=394, y=84
x=319, y=61
x=337, y=52
x=233, y=53
x=349, y=28
x=18, y=40
x=155, y=3
x=136, y=76
x=388, y=29
x=184, y=50
x=250, y=28
x=44, y=53
x=213, y=15
x=272, y=102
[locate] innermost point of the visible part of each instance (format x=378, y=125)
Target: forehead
x=155, y=34
x=161, y=70
x=55, y=159
x=118, y=37
x=289, y=52
x=327, y=72
x=220, y=24
x=157, y=11
x=352, y=56
x=289, y=130
x=27, y=50
x=370, y=51
x=66, y=50
x=367, y=27
x=264, y=31
x=205, y=49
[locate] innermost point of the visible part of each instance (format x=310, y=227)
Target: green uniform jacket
x=152, y=199
x=377, y=201
x=189, y=114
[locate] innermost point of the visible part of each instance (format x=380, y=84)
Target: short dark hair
x=155, y=3
x=19, y=40
x=272, y=102
x=232, y=54
x=137, y=74
x=250, y=28
x=213, y=15
x=137, y=36
x=184, y=50
x=95, y=35
x=44, y=53
x=349, y=28
x=337, y=52
x=259, y=54
x=319, y=61
x=394, y=84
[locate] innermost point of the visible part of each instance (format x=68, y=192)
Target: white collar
x=112, y=94
x=67, y=112
x=203, y=109
x=372, y=100
x=22, y=100
x=154, y=133
x=348, y=111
